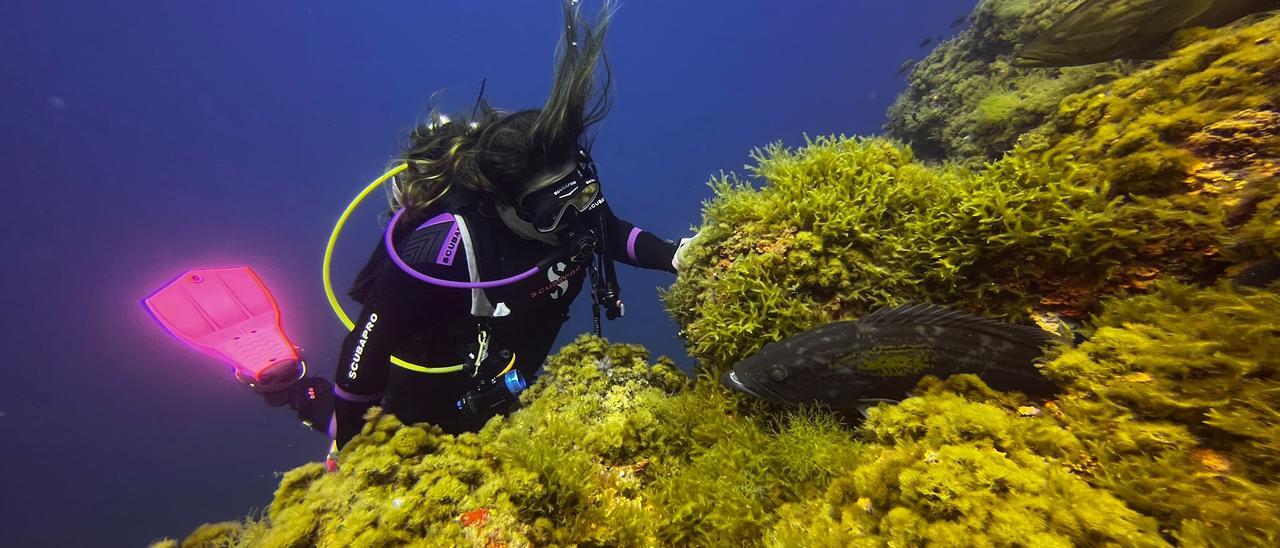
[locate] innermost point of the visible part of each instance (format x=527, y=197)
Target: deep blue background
x=138, y=139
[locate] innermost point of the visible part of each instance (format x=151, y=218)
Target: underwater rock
x=1238, y=165
x=966, y=101
x=843, y=226
x=1238, y=151
x=1193, y=137
x=629, y=455
x=638, y=456
x=1136, y=132
x=1162, y=434
x=952, y=467
x=1175, y=395
x=1104, y=30
x=969, y=100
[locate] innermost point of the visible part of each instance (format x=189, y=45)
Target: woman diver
x=499, y=220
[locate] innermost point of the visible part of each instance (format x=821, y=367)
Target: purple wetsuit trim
x=357, y=398
x=631, y=243
x=450, y=247
x=395, y=258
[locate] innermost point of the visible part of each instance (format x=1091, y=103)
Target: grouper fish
x=1105, y=30
x=882, y=356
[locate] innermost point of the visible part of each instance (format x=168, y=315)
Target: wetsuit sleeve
x=397, y=306
x=629, y=244
x=364, y=363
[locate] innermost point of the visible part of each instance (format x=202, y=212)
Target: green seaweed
x=942, y=469
x=1176, y=394
x=611, y=450
x=1133, y=133
x=844, y=226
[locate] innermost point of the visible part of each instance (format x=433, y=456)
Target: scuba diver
x=499, y=219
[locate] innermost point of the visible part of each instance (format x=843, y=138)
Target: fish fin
x=925, y=314
x=864, y=405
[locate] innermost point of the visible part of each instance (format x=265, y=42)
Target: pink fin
x=227, y=313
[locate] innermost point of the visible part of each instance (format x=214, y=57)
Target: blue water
x=139, y=139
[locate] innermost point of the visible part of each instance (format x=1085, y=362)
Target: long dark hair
x=491, y=156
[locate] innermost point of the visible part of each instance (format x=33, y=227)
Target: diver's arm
x=393, y=310
x=631, y=245
x=364, y=366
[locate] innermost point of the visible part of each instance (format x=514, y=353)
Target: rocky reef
x=967, y=102
x=1130, y=214
x=1165, y=433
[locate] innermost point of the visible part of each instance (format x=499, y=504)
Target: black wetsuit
x=432, y=325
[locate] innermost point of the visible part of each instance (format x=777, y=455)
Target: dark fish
x=905, y=67
x=1105, y=30
x=885, y=354
x=926, y=42
x=959, y=21
x=1258, y=274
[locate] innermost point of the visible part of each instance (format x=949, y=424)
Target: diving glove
x=311, y=398
x=679, y=260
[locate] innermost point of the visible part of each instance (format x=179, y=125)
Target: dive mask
x=558, y=204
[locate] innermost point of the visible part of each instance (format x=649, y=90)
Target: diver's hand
x=311, y=398
x=679, y=260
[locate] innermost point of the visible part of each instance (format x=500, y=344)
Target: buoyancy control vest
x=523, y=316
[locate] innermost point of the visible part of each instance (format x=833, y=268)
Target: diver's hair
x=441, y=158
x=495, y=156
x=573, y=106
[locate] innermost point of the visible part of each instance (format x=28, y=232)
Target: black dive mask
x=561, y=203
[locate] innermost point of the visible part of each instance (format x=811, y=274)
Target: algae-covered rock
x=685, y=465
x=843, y=226
x=1176, y=395
x=967, y=101
x=609, y=450
x=949, y=469
x=1137, y=132
x=1194, y=136
x=1104, y=30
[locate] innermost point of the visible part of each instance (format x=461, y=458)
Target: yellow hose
x=328, y=260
